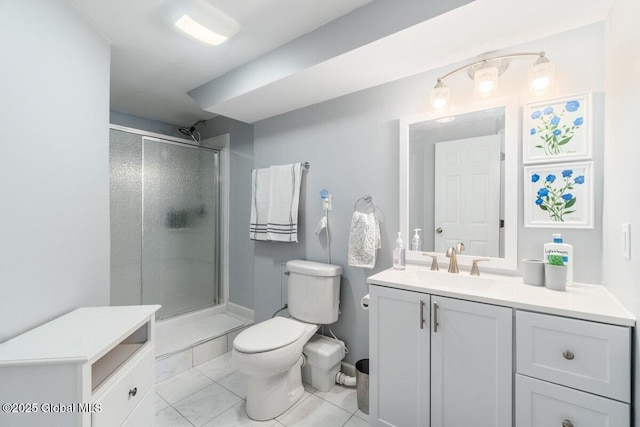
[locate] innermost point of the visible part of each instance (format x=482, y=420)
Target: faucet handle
x=475, y=271
x=434, y=260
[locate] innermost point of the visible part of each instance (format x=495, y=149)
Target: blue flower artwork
x=559, y=195
x=555, y=199
x=558, y=129
x=553, y=134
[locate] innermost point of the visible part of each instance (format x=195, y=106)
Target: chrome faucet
x=452, y=253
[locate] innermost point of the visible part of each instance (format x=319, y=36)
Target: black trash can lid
x=362, y=366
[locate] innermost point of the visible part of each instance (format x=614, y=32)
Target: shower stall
x=165, y=222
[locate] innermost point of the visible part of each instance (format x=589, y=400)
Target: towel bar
x=367, y=199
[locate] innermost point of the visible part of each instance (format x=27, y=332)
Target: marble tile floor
x=214, y=395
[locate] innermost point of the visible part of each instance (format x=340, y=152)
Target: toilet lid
x=268, y=335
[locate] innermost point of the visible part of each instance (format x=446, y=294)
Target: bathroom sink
x=460, y=281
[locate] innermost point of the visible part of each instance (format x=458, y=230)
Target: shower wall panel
x=125, y=163
x=165, y=222
x=179, y=249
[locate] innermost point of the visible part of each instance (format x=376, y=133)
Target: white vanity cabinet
x=569, y=358
x=92, y=367
x=571, y=372
x=437, y=361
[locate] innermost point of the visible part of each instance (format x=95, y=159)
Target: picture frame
x=557, y=130
x=559, y=195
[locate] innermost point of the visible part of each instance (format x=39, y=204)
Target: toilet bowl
x=270, y=355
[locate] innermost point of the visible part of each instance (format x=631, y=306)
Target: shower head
x=191, y=131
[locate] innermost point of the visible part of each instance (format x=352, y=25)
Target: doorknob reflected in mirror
x=439, y=230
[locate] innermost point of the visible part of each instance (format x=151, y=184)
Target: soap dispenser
x=399, y=253
x=416, y=243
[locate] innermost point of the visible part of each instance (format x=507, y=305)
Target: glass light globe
x=485, y=81
x=541, y=76
x=440, y=96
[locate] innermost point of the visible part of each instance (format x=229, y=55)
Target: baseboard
x=241, y=311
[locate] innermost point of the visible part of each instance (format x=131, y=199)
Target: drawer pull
x=567, y=423
x=569, y=356
x=133, y=392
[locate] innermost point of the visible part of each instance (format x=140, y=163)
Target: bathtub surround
x=54, y=164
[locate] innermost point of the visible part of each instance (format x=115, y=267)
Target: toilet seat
x=269, y=335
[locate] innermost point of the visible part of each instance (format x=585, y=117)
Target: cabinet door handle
x=133, y=392
x=421, y=314
x=568, y=355
x=435, y=317
x=567, y=423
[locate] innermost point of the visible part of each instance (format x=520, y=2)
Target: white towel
x=364, y=240
x=260, y=194
x=282, y=219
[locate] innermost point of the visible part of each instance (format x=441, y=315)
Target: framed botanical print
x=557, y=130
x=559, y=195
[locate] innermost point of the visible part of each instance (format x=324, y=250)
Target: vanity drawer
x=542, y=404
x=144, y=414
x=585, y=355
x=119, y=400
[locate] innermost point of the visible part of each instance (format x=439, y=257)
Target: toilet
x=270, y=352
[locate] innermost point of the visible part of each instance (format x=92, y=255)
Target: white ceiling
x=153, y=67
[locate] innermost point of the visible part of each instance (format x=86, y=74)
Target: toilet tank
x=313, y=291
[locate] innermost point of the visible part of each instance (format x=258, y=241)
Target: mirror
x=458, y=182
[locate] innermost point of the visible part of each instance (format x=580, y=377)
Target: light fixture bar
x=484, y=72
x=487, y=59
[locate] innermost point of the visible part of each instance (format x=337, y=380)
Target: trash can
x=362, y=384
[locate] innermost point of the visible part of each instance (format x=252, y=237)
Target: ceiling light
x=203, y=22
x=485, y=72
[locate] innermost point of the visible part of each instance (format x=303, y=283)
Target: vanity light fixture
x=203, y=22
x=485, y=72
x=485, y=80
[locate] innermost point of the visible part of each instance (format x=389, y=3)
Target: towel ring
x=367, y=199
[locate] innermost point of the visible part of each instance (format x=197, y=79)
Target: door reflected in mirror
x=455, y=182
x=459, y=179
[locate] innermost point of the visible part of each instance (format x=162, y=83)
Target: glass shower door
x=179, y=226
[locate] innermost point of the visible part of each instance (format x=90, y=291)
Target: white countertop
x=581, y=301
x=78, y=336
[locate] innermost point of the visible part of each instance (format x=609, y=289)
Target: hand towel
x=282, y=218
x=364, y=240
x=260, y=194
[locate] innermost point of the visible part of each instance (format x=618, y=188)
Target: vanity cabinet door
x=399, y=358
x=471, y=364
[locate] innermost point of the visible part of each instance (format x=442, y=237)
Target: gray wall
x=352, y=145
x=241, y=276
x=136, y=122
x=54, y=164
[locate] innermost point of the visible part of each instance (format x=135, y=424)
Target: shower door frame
x=221, y=206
